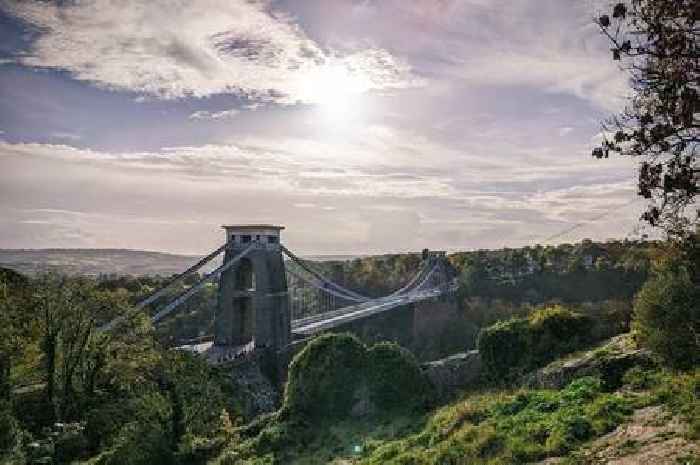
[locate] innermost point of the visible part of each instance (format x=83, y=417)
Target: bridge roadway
x=305, y=327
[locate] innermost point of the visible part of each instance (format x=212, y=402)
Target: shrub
x=509, y=348
x=555, y=331
x=324, y=376
x=105, y=421
x=10, y=433
x=667, y=317
x=395, y=378
x=147, y=440
x=70, y=445
x=504, y=347
x=608, y=411
x=335, y=370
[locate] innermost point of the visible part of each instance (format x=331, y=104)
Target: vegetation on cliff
x=512, y=347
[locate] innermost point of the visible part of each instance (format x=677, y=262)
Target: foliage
x=118, y=396
x=11, y=434
x=657, y=40
x=570, y=273
x=324, y=376
x=336, y=371
x=510, y=348
x=147, y=439
x=509, y=428
x=666, y=311
x=395, y=378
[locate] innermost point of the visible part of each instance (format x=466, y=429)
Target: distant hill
x=93, y=262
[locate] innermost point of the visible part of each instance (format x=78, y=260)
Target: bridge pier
x=252, y=300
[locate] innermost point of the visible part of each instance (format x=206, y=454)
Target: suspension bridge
x=269, y=298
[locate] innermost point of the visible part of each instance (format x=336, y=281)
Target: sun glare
x=336, y=91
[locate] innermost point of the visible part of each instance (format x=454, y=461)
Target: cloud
x=547, y=45
x=65, y=135
x=354, y=196
x=197, y=49
x=379, y=162
x=216, y=115
x=565, y=130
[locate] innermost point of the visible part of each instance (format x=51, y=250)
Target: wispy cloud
x=66, y=136
x=565, y=130
x=550, y=46
x=216, y=115
x=195, y=49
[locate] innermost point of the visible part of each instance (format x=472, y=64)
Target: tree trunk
x=5, y=388
x=50, y=352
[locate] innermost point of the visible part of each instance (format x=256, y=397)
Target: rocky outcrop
x=454, y=373
x=254, y=392
x=609, y=361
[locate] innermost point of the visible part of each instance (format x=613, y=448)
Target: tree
x=68, y=312
x=657, y=42
x=667, y=316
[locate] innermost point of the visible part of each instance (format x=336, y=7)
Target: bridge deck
x=309, y=326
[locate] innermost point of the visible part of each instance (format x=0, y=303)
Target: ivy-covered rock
x=510, y=348
x=336, y=376
x=609, y=363
x=395, y=378
x=323, y=377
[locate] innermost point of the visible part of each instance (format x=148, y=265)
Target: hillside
x=120, y=262
x=92, y=262
x=608, y=404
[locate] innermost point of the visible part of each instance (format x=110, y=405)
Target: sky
x=363, y=126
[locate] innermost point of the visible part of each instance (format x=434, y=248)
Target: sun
x=336, y=91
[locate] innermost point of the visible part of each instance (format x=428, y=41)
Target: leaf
x=620, y=11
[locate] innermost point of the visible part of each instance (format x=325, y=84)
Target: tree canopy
x=657, y=43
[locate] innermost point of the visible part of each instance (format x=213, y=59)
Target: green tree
x=68, y=312
x=657, y=41
x=666, y=311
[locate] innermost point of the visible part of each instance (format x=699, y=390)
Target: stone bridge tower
x=252, y=302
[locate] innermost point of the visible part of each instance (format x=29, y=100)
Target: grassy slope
x=484, y=427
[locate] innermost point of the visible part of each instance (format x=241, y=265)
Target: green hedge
x=510, y=348
x=329, y=375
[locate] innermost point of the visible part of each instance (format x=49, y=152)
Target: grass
x=529, y=425
x=504, y=427
x=510, y=428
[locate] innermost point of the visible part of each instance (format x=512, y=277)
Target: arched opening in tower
x=244, y=302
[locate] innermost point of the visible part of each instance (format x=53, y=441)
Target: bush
x=667, y=317
x=395, y=378
x=555, y=331
x=336, y=370
x=504, y=347
x=324, y=376
x=70, y=445
x=104, y=422
x=147, y=440
x=10, y=434
x=510, y=348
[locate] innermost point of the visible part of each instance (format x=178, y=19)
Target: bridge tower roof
x=251, y=227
